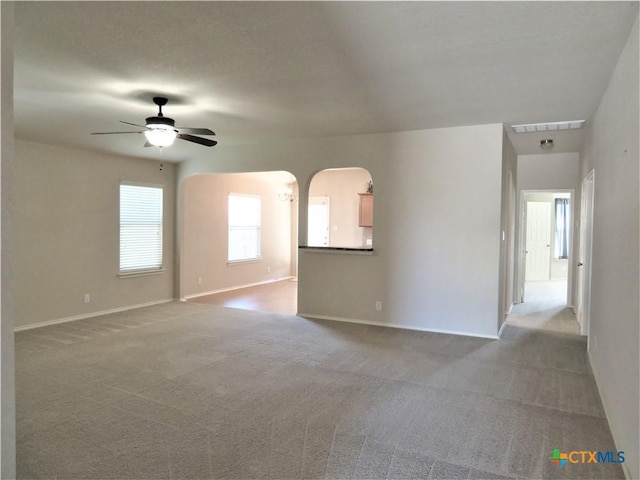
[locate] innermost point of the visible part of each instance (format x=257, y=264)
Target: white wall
x=7, y=388
x=612, y=150
x=67, y=222
x=205, y=234
x=436, y=257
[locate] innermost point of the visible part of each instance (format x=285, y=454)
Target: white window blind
x=244, y=227
x=140, y=228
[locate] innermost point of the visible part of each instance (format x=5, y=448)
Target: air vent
x=548, y=127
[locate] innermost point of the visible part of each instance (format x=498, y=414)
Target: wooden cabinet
x=365, y=216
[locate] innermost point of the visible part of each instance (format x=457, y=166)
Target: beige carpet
x=196, y=391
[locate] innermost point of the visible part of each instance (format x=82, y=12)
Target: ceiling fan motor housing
x=161, y=121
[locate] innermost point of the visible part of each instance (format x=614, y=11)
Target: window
x=140, y=228
x=562, y=228
x=244, y=227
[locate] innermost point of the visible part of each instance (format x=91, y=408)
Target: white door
x=318, y=222
x=538, y=241
x=584, y=253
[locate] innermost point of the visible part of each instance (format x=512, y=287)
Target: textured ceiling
x=261, y=71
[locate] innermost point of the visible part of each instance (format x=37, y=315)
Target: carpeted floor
x=545, y=308
x=197, y=391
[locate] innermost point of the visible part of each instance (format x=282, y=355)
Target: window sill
x=141, y=273
x=240, y=262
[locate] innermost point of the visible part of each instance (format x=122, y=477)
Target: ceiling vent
x=548, y=127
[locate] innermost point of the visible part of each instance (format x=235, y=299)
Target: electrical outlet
x=199, y=280
x=379, y=306
x=268, y=269
x=87, y=298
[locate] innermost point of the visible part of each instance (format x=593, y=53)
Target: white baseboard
x=393, y=325
x=501, y=329
x=89, y=315
x=237, y=287
x=625, y=467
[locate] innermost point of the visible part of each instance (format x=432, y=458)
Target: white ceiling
x=257, y=71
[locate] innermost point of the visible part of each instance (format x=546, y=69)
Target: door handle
x=579, y=264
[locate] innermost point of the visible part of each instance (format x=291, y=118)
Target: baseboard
x=89, y=315
x=625, y=467
x=393, y=325
x=502, y=328
x=237, y=287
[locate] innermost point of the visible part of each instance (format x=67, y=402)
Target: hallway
x=545, y=308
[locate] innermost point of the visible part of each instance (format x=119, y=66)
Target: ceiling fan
x=161, y=131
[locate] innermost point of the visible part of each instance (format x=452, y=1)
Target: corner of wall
x=7, y=358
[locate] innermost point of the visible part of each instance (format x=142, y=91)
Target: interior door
x=318, y=222
x=538, y=241
x=584, y=254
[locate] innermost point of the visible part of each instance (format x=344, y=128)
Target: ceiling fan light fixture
x=160, y=135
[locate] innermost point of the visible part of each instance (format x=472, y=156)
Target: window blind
x=140, y=228
x=244, y=227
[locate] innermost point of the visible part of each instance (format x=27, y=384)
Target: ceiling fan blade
x=195, y=131
x=134, y=124
x=147, y=144
x=202, y=141
x=111, y=133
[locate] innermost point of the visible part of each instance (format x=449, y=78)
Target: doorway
x=213, y=268
x=545, y=276
x=319, y=221
x=583, y=289
x=546, y=239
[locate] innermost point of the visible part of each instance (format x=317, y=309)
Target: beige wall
x=7, y=387
x=342, y=187
x=508, y=227
x=548, y=171
x=204, y=231
x=67, y=226
x=611, y=149
x=436, y=191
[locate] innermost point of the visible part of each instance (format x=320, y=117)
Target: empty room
x=377, y=240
